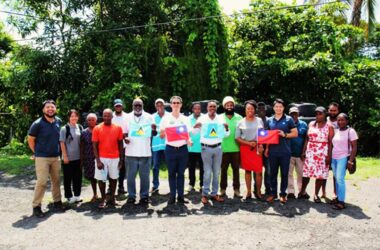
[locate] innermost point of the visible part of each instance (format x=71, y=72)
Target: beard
x=137, y=113
x=50, y=116
x=229, y=111
x=118, y=112
x=333, y=116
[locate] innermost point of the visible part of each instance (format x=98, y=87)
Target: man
x=158, y=145
x=43, y=140
x=120, y=118
x=213, y=130
x=138, y=152
x=195, y=150
x=107, y=141
x=261, y=112
x=332, y=119
x=296, y=147
x=230, y=148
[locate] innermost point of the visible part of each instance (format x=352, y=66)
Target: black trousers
x=72, y=178
x=194, y=160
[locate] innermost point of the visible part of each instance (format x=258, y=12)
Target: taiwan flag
x=268, y=136
x=177, y=133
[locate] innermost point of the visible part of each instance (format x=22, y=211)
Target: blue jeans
x=277, y=161
x=158, y=158
x=212, y=159
x=176, y=159
x=339, y=169
x=141, y=165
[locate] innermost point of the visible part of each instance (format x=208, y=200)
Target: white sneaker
x=77, y=198
x=71, y=200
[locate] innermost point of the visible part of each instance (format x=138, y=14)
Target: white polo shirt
x=205, y=121
x=138, y=146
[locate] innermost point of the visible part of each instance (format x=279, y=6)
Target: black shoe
x=304, y=196
x=145, y=200
x=181, y=200
x=291, y=196
x=37, y=212
x=154, y=190
x=59, y=207
x=131, y=200
x=171, y=201
x=121, y=191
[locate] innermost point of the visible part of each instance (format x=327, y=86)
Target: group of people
x=127, y=144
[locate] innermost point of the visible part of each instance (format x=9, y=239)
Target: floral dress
x=88, y=155
x=316, y=152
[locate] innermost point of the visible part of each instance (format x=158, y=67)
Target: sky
x=228, y=7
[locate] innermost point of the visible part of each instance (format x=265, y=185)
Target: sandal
x=248, y=198
x=303, y=196
x=217, y=198
x=204, y=200
x=94, y=198
x=339, y=206
x=317, y=199
x=334, y=201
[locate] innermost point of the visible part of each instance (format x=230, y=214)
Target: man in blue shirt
x=279, y=154
x=43, y=140
x=158, y=144
x=296, y=146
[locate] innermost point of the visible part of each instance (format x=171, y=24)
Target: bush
x=15, y=148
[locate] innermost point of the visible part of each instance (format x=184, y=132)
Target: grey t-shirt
x=72, y=144
x=247, y=130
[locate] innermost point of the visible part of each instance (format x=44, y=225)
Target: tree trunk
x=356, y=12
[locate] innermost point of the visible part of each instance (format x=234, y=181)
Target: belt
x=177, y=148
x=211, y=146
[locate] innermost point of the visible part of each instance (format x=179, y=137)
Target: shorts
x=110, y=170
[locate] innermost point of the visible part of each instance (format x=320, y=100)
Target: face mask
x=229, y=111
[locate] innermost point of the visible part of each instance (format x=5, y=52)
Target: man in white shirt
x=120, y=118
x=213, y=130
x=140, y=128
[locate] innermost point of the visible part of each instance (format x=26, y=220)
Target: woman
x=344, y=150
x=279, y=154
x=250, y=151
x=87, y=154
x=175, y=129
x=316, y=153
x=70, y=146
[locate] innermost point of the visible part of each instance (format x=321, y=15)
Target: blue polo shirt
x=158, y=143
x=47, y=137
x=286, y=123
x=296, y=144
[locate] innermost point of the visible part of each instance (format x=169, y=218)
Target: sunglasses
x=137, y=105
x=176, y=103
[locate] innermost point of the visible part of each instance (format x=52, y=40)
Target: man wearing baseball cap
x=158, y=144
x=120, y=118
x=296, y=146
x=230, y=148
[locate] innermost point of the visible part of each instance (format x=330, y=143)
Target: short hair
x=91, y=115
x=50, y=101
x=195, y=103
x=335, y=104
x=279, y=100
x=251, y=102
x=72, y=111
x=344, y=115
x=175, y=97
x=261, y=104
x=214, y=101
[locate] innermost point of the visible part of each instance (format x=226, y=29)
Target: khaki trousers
x=297, y=164
x=45, y=167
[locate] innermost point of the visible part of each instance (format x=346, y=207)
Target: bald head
x=107, y=116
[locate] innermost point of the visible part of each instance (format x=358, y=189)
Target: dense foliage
x=90, y=52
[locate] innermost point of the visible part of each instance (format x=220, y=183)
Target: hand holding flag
x=268, y=136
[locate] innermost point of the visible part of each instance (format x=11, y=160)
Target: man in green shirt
x=231, y=151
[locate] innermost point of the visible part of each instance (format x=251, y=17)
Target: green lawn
x=368, y=167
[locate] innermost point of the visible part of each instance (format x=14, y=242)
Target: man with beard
x=120, y=118
x=332, y=119
x=107, y=142
x=138, y=152
x=43, y=140
x=230, y=148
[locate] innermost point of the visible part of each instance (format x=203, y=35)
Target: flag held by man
x=268, y=136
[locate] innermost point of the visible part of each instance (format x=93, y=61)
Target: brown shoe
x=217, y=198
x=204, y=200
x=270, y=198
x=283, y=199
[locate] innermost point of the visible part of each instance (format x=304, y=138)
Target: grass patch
x=15, y=165
x=368, y=167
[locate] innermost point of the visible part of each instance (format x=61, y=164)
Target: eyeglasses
x=176, y=103
x=212, y=106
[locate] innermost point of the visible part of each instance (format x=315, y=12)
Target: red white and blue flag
x=268, y=136
x=177, y=133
